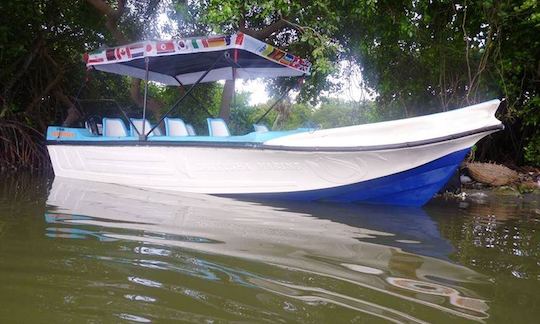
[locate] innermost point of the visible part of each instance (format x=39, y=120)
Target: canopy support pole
x=235, y=57
x=187, y=93
x=142, y=135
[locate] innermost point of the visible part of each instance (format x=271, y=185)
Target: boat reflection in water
x=383, y=262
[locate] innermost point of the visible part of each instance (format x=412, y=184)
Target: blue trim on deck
x=83, y=135
x=414, y=187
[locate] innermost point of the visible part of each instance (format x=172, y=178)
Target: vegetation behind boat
x=418, y=60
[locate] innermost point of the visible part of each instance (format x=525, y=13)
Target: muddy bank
x=491, y=184
x=513, y=196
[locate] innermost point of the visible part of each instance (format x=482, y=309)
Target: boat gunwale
x=262, y=146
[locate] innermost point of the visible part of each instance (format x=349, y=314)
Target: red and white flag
x=122, y=53
x=165, y=47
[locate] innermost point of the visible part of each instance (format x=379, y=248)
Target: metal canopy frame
x=184, y=96
x=192, y=61
x=143, y=135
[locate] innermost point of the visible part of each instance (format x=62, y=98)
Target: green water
x=83, y=252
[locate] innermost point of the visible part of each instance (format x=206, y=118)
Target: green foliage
x=425, y=56
x=532, y=151
x=307, y=31
x=41, y=48
x=330, y=114
x=419, y=56
x=203, y=102
x=530, y=113
x=337, y=113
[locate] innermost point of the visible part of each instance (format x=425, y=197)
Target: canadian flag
x=164, y=47
x=122, y=53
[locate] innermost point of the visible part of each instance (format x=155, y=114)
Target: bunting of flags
x=282, y=57
x=195, y=45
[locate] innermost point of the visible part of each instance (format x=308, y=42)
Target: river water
x=73, y=251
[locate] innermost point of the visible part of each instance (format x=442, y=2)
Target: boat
x=400, y=162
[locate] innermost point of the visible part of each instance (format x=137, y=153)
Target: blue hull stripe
x=414, y=187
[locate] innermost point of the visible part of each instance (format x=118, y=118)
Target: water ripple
x=105, y=253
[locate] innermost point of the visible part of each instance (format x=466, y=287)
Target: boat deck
x=61, y=134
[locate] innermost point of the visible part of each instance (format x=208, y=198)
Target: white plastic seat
x=138, y=124
x=217, y=127
x=175, y=127
x=114, y=127
x=190, y=130
x=260, y=128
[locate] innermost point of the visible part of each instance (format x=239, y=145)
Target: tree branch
x=112, y=18
x=270, y=29
x=112, y=26
x=267, y=31
x=102, y=6
x=47, y=89
x=21, y=71
x=467, y=44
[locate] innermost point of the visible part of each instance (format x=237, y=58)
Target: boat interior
x=173, y=129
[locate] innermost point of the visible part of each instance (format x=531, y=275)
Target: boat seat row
x=115, y=127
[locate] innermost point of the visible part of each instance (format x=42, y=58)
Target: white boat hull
x=287, y=167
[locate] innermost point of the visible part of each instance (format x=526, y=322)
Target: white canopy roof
x=186, y=60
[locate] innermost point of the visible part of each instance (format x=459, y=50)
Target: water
x=74, y=251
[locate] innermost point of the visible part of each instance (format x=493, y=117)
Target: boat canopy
x=185, y=61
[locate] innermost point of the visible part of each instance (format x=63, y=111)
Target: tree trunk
x=226, y=99
x=73, y=113
x=283, y=110
x=152, y=105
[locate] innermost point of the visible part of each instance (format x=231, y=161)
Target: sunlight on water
x=73, y=250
